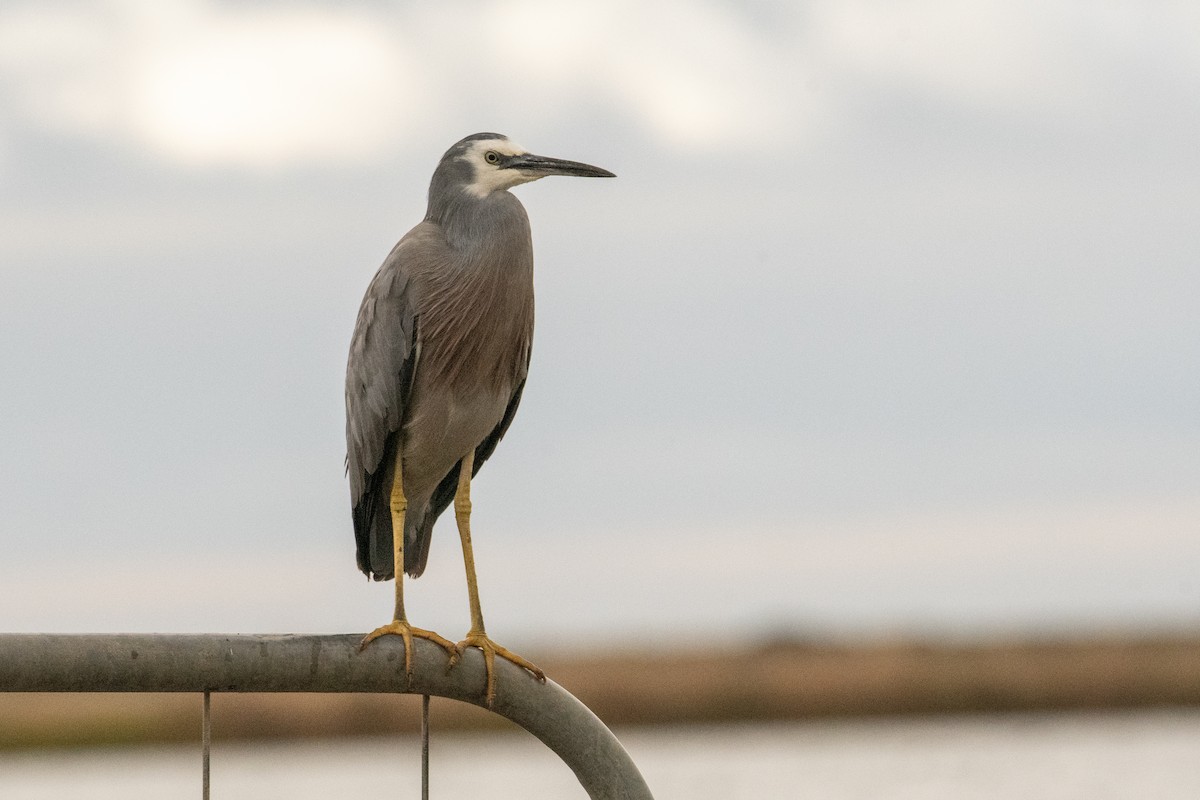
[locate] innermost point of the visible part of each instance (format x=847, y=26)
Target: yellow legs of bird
x=399, y=624
x=477, y=637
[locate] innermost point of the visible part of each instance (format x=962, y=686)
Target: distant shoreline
x=781, y=680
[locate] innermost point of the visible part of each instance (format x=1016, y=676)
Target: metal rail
x=295, y=663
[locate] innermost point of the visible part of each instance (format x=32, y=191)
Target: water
x=1031, y=757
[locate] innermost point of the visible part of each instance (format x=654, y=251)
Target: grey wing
x=383, y=354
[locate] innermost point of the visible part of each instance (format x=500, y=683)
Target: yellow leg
x=477, y=636
x=399, y=624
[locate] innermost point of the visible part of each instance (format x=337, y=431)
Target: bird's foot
x=403, y=629
x=490, y=651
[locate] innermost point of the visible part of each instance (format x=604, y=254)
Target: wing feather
x=379, y=370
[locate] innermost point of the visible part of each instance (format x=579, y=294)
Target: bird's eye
x=492, y=157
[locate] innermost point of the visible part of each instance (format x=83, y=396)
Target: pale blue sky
x=889, y=322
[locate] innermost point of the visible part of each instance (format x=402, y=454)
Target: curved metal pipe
x=303, y=663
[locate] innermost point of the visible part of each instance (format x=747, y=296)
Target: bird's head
x=489, y=162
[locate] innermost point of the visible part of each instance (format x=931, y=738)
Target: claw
x=490, y=651
x=404, y=630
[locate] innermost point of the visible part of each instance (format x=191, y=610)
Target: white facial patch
x=491, y=177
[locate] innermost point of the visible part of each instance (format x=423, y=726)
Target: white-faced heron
x=437, y=365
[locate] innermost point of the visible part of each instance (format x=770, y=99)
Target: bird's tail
x=375, y=556
x=373, y=535
x=418, y=533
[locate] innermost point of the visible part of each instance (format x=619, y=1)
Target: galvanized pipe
x=206, y=747
x=298, y=663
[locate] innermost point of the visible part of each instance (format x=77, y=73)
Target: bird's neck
x=481, y=226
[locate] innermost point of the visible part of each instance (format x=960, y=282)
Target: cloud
x=267, y=88
x=200, y=83
x=207, y=83
x=712, y=82
x=979, y=53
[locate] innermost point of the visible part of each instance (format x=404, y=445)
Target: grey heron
x=437, y=365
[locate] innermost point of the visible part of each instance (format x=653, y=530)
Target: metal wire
x=424, y=747
x=206, y=737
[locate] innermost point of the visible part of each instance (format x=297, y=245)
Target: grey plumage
x=441, y=345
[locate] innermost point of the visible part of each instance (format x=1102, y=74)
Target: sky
x=888, y=324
